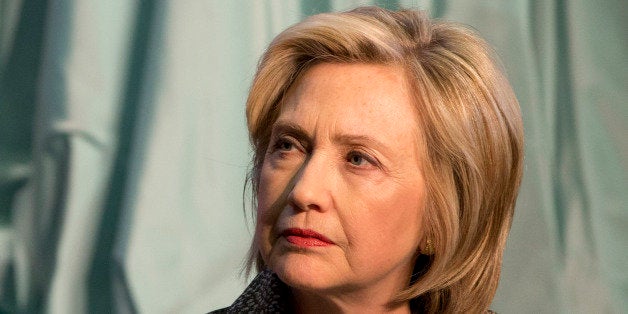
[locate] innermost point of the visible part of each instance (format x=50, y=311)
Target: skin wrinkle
x=325, y=193
x=465, y=219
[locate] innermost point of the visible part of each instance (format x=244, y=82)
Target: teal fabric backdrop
x=123, y=150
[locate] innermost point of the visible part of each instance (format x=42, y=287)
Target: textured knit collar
x=268, y=294
x=265, y=294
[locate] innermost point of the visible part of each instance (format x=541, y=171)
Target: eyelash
x=277, y=145
x=362, y=155
x=281, y=141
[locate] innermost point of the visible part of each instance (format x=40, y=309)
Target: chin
x=303, y=272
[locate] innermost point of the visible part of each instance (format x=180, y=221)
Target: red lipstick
x=305, y=237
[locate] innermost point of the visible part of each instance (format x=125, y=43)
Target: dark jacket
x=268, y=294
x=265, y=294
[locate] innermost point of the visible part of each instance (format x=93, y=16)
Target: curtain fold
x=123, y=150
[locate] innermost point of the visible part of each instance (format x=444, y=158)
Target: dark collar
x=265, y=294
x=268, y=294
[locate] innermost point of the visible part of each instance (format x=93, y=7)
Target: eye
x=358, y=159
x=284, y=145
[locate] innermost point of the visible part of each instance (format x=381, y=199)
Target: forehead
x=366, y=99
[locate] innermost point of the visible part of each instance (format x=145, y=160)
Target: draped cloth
x=123, y=150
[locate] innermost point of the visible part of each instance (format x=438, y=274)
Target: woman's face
x=341, y=194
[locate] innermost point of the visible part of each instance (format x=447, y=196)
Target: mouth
x=305, y=237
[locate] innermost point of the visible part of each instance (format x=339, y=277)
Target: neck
x=307, y=302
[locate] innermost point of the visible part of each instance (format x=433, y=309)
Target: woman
x=388, y=154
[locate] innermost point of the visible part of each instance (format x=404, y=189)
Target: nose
x=312, y=185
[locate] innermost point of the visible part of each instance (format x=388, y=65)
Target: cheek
x=268, y=189
x=266, y=196
x=391, y=219
x=406, y=209
x=269, y=195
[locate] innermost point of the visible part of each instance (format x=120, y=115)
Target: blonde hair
x=473, y=137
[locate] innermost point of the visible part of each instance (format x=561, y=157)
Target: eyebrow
x=295, y=130
x=353, y=139
x=282, y=127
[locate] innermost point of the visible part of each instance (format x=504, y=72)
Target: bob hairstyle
x=472, y=137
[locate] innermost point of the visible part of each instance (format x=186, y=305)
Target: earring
x=429, y=248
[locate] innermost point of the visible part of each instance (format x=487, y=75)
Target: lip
x=305, y=237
